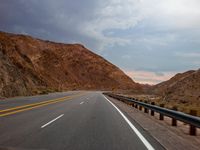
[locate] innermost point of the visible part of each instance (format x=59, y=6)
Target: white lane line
x=52, y=121
x=146, y=143
x=81, y=103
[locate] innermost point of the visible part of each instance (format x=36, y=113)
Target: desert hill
x=29, y=65
x=183, y=87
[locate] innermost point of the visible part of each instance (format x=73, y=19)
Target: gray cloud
x=54, y=20
x=155, y=36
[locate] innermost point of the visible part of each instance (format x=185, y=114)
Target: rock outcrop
x=29, y=65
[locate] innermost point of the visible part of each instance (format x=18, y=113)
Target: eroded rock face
x=183, y=87
x=28, y=65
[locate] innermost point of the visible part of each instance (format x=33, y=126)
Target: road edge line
x=141, y=137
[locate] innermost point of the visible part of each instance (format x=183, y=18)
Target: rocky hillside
x=183, y=87
x=29, y=65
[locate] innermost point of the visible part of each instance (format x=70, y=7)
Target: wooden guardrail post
x=194, y=122
x=193, y=128
x=136, y=106
x=161, y=117
x=152, y=112
x=140, y=107
x=133, y=104
x=174, y=121
x=145, y=109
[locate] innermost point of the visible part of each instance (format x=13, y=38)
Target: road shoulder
x=168, y=136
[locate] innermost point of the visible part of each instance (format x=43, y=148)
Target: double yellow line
x=22, y=108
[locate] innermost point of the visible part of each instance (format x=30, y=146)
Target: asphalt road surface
x=69, y=121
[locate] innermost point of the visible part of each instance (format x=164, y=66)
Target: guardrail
x=193, y=121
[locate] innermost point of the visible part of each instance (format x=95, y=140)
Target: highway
x=69, y=121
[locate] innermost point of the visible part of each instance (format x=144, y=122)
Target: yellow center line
x=33, y=104
x=28, y=105
x=36, y=105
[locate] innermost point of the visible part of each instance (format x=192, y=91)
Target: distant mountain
x=183, y=87
x=29, y=65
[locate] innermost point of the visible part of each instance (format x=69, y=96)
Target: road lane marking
x=81, y=103
x=17, y=109
x=146, y=143
x=33, y=104
x=29, y=108
x=52, y=121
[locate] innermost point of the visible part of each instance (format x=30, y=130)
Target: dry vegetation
x=181, y=91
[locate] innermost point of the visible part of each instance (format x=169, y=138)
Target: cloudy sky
x=150, y=40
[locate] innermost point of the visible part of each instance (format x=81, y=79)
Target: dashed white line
x=146, y=143
x=81, y=103
x=52, y=121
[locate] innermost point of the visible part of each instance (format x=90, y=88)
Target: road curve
x=81, y=121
